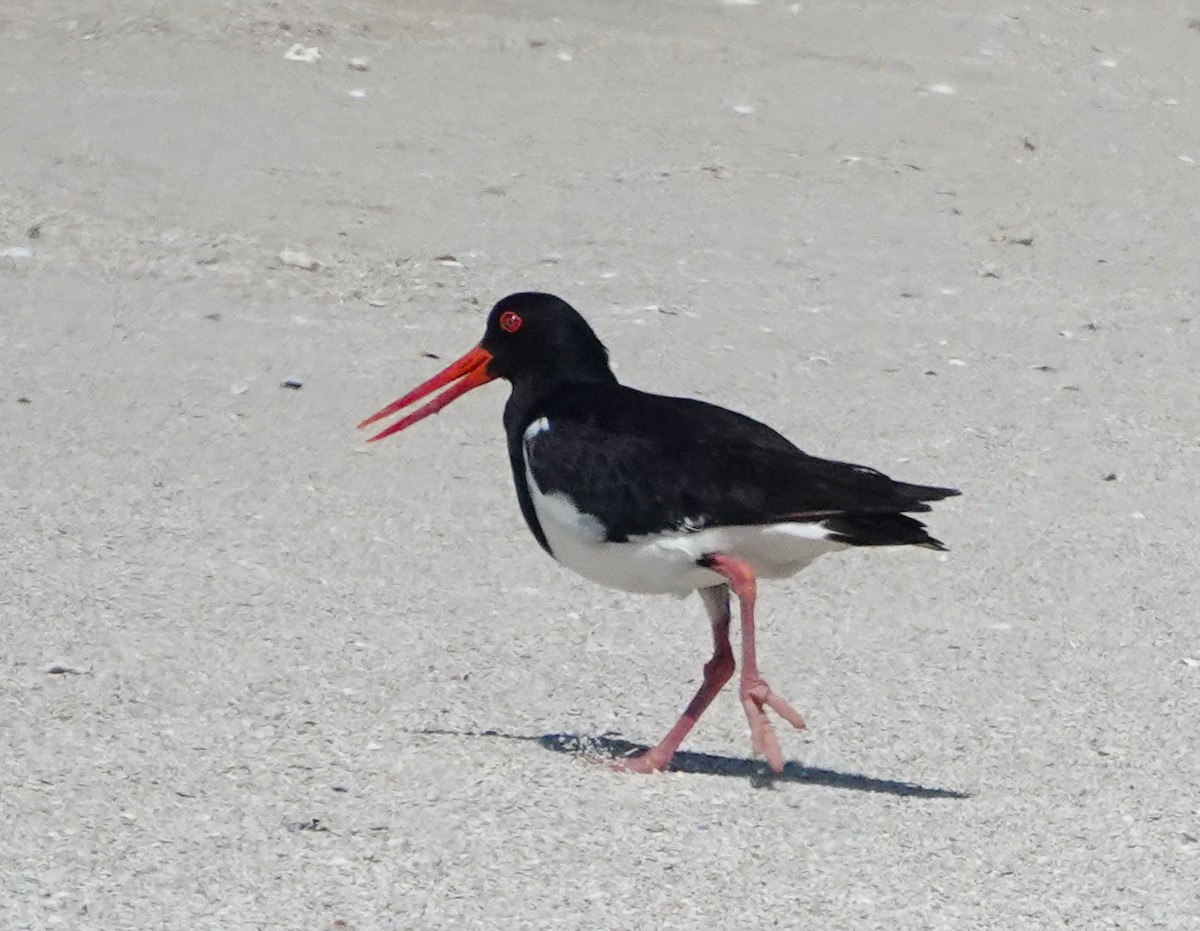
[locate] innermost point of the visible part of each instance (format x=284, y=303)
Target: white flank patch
x=665, y=564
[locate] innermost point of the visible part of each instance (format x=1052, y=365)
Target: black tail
x=883, y=529
x=926, y=492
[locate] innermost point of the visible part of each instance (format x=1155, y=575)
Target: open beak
x=470, y=372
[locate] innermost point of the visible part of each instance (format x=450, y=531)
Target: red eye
x=510, y=322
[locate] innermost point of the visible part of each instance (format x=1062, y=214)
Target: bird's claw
x=756, y=697
x=652, y=761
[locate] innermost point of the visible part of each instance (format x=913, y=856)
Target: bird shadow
x=606, y=748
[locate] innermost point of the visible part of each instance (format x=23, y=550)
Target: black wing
x=644, y=463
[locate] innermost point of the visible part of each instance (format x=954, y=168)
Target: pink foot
x=756, y=696
x=652, y=761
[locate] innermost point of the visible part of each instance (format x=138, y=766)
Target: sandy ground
x=302, y=681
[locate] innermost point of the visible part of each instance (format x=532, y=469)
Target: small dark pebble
x=1091, y=326
x=930, y=372
x=1111, y=477
x=1023, y=241
x=1043, y=368
x=340, y=789
x=431, y=355
x=57, y=670
x=213, y=316
x=23, y=400
x=292, y=383
x=34, y=231
x=1029, y=146
x=313, y=824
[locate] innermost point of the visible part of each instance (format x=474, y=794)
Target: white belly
x=666, y=563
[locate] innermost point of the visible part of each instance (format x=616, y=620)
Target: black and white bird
x=662, y=495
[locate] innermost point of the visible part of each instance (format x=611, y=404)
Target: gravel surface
x=258, y=675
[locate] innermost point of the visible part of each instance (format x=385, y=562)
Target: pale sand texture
x=273, y=625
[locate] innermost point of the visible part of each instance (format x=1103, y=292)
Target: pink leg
x=717, y=671
x=754, y=691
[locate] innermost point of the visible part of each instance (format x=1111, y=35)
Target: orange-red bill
x=470, y=372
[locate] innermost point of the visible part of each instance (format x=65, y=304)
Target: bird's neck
x=531, y=396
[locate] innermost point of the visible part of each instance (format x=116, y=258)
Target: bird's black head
x=536, y=341
x=535, y=336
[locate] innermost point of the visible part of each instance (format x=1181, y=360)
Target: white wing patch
x=541, y=425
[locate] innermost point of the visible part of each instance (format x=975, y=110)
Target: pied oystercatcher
x=665, y=495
